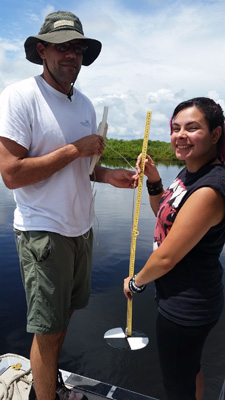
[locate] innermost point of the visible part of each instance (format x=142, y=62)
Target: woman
x=189, y=237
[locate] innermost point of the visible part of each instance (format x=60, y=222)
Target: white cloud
x=158, y=60
x=33, y=17
x=47, y=10
x=149, y=60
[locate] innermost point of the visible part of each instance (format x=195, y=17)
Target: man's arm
x=19, y=170
x=121, y=178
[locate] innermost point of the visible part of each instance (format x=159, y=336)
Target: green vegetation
x=129, y=149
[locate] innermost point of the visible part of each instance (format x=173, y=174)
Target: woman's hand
x=126, y=289
x=150, y=169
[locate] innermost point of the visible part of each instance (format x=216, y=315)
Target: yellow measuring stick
x=136, y=217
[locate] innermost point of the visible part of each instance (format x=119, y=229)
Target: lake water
x=85, y=350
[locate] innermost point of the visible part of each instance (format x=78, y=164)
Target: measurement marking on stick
x=136, y=218
x=128, y=339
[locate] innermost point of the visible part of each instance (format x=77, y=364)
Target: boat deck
x=16, y=379
x=96, y=390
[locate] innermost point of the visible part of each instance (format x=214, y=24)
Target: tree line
x=129, y=149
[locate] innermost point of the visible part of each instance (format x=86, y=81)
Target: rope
x=121, y=156
x=94, y=193
x=12, y=386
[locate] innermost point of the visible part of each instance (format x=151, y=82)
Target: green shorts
x=56, y=274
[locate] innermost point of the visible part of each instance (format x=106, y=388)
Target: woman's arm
x=204, y=209
x=153, y=176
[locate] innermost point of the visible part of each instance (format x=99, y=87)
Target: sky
x=155, y=54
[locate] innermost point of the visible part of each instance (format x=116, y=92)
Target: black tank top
x=192, y=292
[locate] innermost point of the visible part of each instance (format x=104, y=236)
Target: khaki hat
x=61, y=27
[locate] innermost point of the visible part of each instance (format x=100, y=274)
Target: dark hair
x=213, y=114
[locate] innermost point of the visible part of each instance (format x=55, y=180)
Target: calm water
x=85, y=350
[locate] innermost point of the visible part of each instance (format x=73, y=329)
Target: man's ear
x=216, y=133
x=41, y=50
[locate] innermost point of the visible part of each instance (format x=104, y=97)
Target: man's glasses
x=76, y=47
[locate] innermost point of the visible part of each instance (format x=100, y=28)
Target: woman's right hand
x=150, y=169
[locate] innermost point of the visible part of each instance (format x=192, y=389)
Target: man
x=48, y=134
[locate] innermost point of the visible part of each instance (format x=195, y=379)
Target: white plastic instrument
x=102, y=131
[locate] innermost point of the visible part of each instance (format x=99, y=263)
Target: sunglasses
x=78, y=49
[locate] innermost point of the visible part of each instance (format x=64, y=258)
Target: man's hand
x=122, y=178
x=90, y=145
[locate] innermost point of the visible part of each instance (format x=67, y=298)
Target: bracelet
x=134, y=288
x=154, y=188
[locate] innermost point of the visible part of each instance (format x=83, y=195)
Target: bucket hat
x=60, y=27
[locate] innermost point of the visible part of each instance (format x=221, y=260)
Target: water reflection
x=85, y=350
x=7, y=206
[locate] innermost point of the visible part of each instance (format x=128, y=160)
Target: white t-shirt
x=42, y=119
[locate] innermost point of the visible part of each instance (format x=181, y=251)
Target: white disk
x=117, y=338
